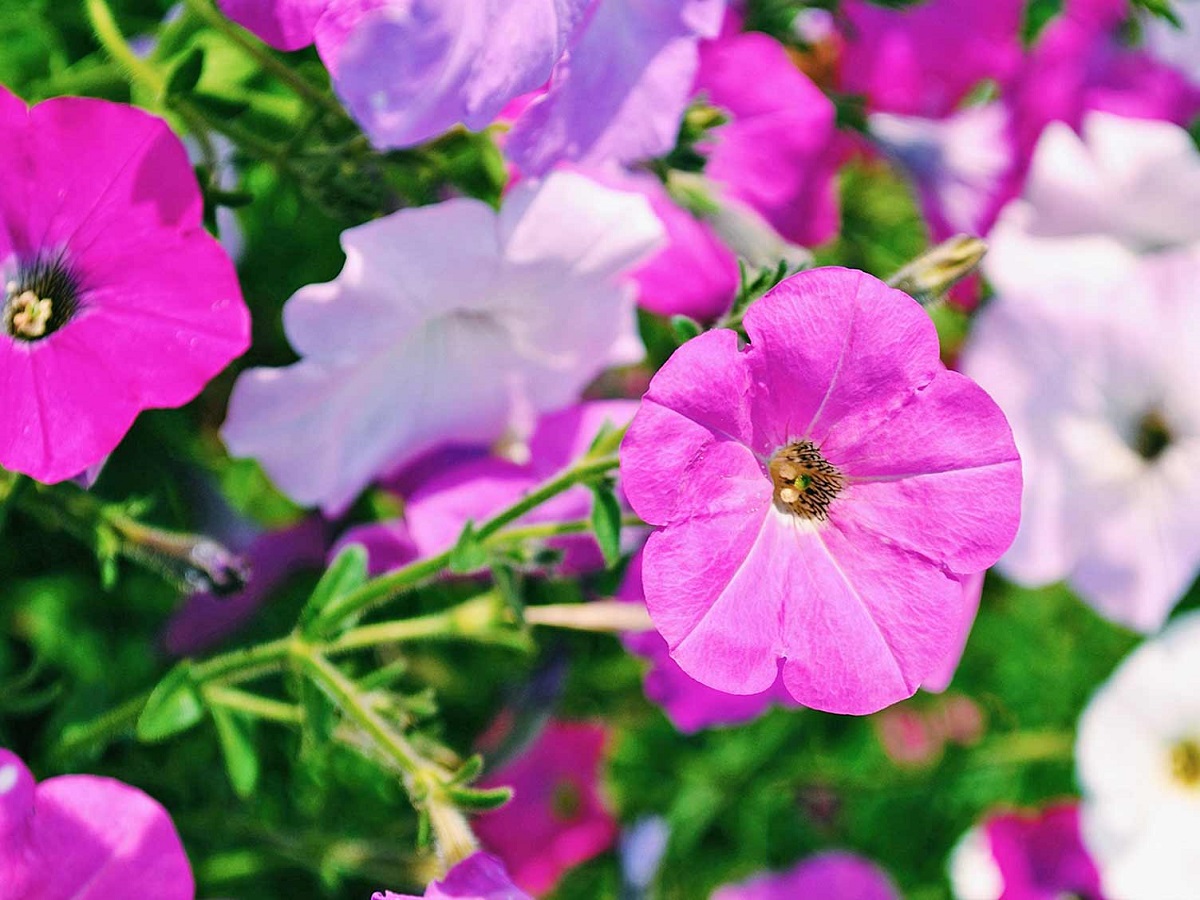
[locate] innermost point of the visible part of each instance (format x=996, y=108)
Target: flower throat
x=805, y=482
x=40, y=300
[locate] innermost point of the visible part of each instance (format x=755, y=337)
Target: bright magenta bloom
x=115, y=299
x=557, y=817
x=85, y=838
x=818, y=496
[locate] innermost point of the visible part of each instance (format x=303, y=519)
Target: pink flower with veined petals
x=478, y=877
x=818, y=495
x=85, y=838
x=113, y=297
x=835, y=875
x=690, y=705
x=557, y=817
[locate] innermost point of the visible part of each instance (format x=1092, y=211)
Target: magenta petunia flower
x=478, y=877
x=436, y=512
x=115, y=299
x=286, y=24
x=943, y=673
x=925, y=59
x=835, y=875
x=777, y=154
x=82, y=837
x=817, y=495
x=690, y=705
x=1080, y=63
x=557, y=817
x=1020, y=856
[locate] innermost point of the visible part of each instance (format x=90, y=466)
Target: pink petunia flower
x=690, y=705
x=436, y=512
x=449, y=323
x=1021, y=856
x=82, y=837
x=557, y=817
x=115, y=299
x=817, y=495
x=835, y=875
x=478, y=877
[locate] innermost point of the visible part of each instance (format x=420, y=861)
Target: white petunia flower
x=449, y=323
x=1138, y=763
x=1095, y=204
x=1179, y=47
x=1092, y=349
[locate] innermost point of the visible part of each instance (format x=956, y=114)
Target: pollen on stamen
x=805, y=482
x=40, y=300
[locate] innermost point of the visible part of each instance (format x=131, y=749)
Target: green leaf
x=468, y=555
x=471, y=769
x=237, y=748
x=346, y=573
x=685, y=328
x=479, y=799
x=606, y=522
x=185, y=76
x=174, y=706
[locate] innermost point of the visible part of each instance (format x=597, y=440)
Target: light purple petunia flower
x=478, y=877
x=436, y=512
x=835, y=875
x=619, y=93
x=449, y=323
x=557, y=817
x=114, y=297
x=817, y=495
x=1020, y=856
x=410, y=71
x=82, y=837
x=690, y=705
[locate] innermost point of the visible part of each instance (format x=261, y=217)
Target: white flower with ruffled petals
x=449, y=323
x=1138, y=763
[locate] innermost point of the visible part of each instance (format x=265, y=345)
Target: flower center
x=1185, y=763
x=566, y=802
x=39, y=301
x=805, y=482
x=1153, y=436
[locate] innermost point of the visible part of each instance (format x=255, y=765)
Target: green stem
x=253, y=704
x=482, y=619
x=108, y=33
x=387, y=587
x=299, y=85
x=345, y=694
